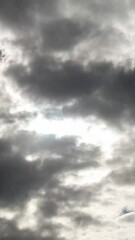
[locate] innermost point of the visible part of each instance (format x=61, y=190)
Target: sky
x=67, y=119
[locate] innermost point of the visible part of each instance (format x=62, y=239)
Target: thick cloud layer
x=102, y=90
x=22, y=14
x=67, y=64
x=19, y=177
x=21, y=180
x=62, y=34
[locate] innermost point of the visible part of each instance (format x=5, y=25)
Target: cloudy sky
x=67, y=117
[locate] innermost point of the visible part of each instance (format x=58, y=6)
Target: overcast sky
x=67, y=117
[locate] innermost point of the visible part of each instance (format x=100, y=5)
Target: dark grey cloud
x=63, y=34
x=101, y=89
x=17, y=176
x=22, y=14
x=112, y=101
x=20, y=178
x=15, y=13
x=21, y=181
x=49, y=79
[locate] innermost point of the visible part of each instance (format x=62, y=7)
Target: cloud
x=49, y=208
x=9, y=230
x=21, y=15
x=69, y=58
x=102, y=103
x=20, y=178
x=124, y=176
x=91, y=90
x=66, y=147
x=122, y=164
x=82, y=85
x=44, y=180
x=49, y=79
x=62, y=34
x=130, y=217
x=115, y=10
x=17, y=177
x=84, y=220
x=18, y=117
x=76, y=25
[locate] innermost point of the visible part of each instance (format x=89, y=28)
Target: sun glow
x=87, y=132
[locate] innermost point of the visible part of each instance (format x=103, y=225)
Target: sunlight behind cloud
x=88, y=132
